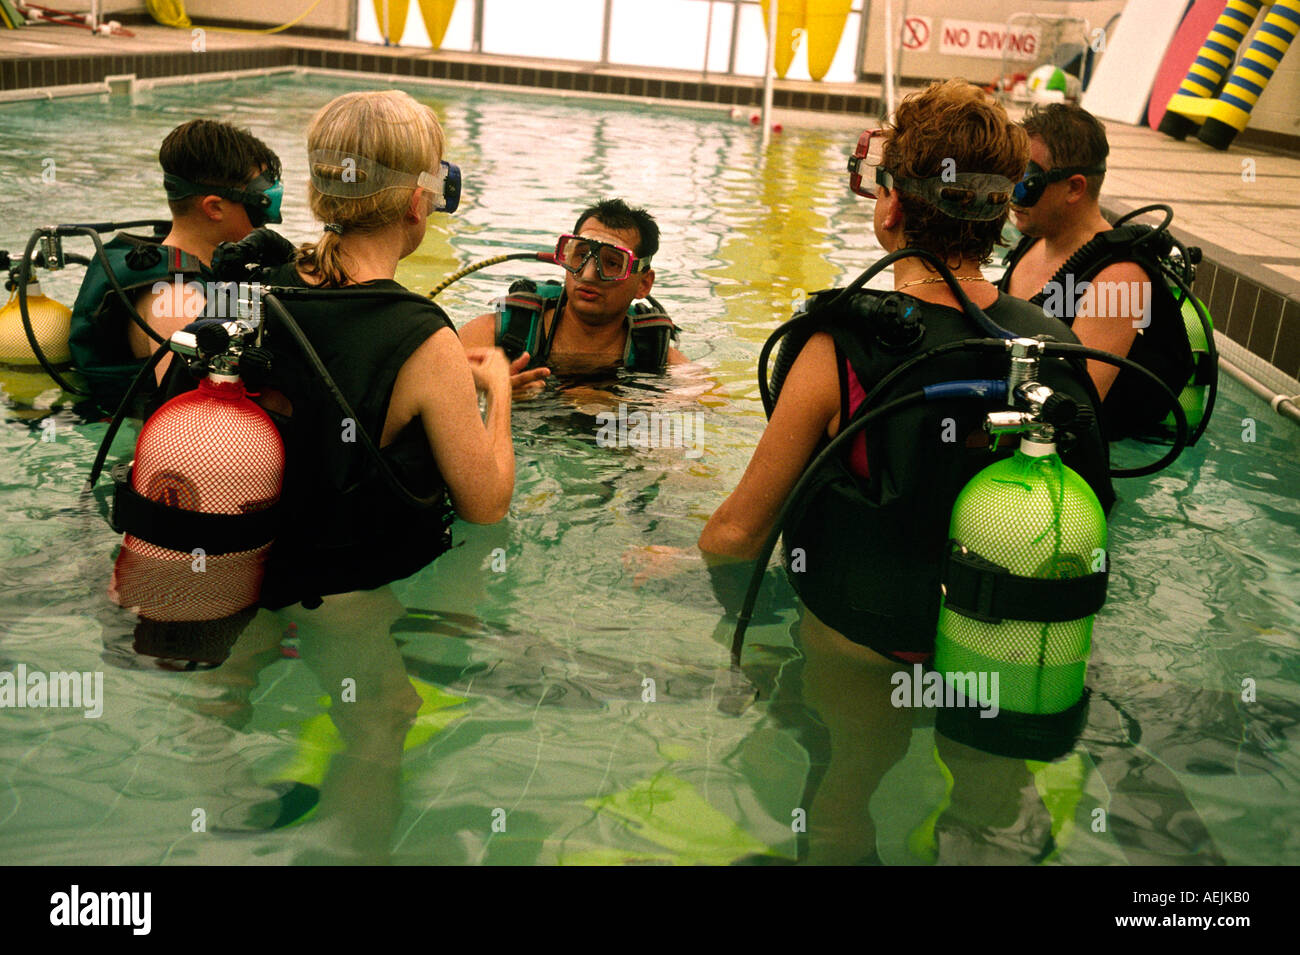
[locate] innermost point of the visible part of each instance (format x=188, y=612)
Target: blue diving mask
x=445, y=185
x=260, y=198
x=1030, y=189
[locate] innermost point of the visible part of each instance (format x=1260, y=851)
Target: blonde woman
x=376, y=170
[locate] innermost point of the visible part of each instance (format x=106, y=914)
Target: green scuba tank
x=1193, y=395
x=1027, y=516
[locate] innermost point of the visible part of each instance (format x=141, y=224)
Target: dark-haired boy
x=587, y=325
x=222, y=182
x=1123, y=307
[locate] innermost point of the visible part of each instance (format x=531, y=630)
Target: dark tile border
x=28, y=72
x=1268, y=316
x=1250, y=138
x=1286, y=356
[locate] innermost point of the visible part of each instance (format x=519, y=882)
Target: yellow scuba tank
x=21, y=376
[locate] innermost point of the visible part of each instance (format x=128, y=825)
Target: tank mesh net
x=50, y=323
x=1037, y=518
x=209, y=450
x=1193, y=397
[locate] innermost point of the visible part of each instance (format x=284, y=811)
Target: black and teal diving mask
x=260, y=198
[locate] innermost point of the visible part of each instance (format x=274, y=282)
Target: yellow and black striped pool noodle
x=1269, y=45
x=1219, y=49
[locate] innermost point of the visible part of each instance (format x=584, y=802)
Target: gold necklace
x=959, y=278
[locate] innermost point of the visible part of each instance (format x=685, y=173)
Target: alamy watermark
x=58, y=689
x=946, y=690
x=1068, y=300
x=75, y=907
x=653, y=429
x=195, y=299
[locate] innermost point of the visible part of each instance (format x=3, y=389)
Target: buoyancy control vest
x=650, y=332
x=342, y=527
x=1132, y=405
x=97, y=336
x=865, y=554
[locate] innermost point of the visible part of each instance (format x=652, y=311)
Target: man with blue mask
x=221, y=183
x=1103, y=283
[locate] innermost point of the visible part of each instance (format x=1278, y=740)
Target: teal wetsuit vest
x=650, y=332
x=97, y=337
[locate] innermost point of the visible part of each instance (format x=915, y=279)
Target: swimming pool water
x=575, y=707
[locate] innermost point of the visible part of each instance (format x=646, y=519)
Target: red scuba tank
x=214, y=451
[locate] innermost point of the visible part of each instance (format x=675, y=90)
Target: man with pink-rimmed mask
x=589, y=323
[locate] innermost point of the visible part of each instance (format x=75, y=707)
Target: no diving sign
x=915, y=34
x=989, y=40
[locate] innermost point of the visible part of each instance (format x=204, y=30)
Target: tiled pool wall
x=49, y=71
x=1248, y=306
x=1250, y=310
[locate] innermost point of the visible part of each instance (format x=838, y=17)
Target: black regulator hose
x=1180, y=417
x=24, y=276
x=484, y=263
x=123, y=410
x=1160, y=207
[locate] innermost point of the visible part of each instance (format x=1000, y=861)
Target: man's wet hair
x=1072, y=135
x=212, y=153
x=617, y=214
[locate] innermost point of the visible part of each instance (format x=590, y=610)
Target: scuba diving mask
x=351, y=176
x=260, y=198
x=869, y=152
x=614, y=263
x=962, y=195
x=1029, y=190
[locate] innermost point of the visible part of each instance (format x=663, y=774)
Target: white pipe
x=768, y=75
x=888, y=71
x=708, y=41
x=1281, y=404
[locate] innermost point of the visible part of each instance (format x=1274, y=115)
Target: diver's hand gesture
x=524, y=383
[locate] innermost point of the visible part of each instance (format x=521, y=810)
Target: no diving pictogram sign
x=915, y=34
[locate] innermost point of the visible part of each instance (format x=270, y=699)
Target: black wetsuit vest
x=344, y=528
x=872, y=547
x=1133, y=405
